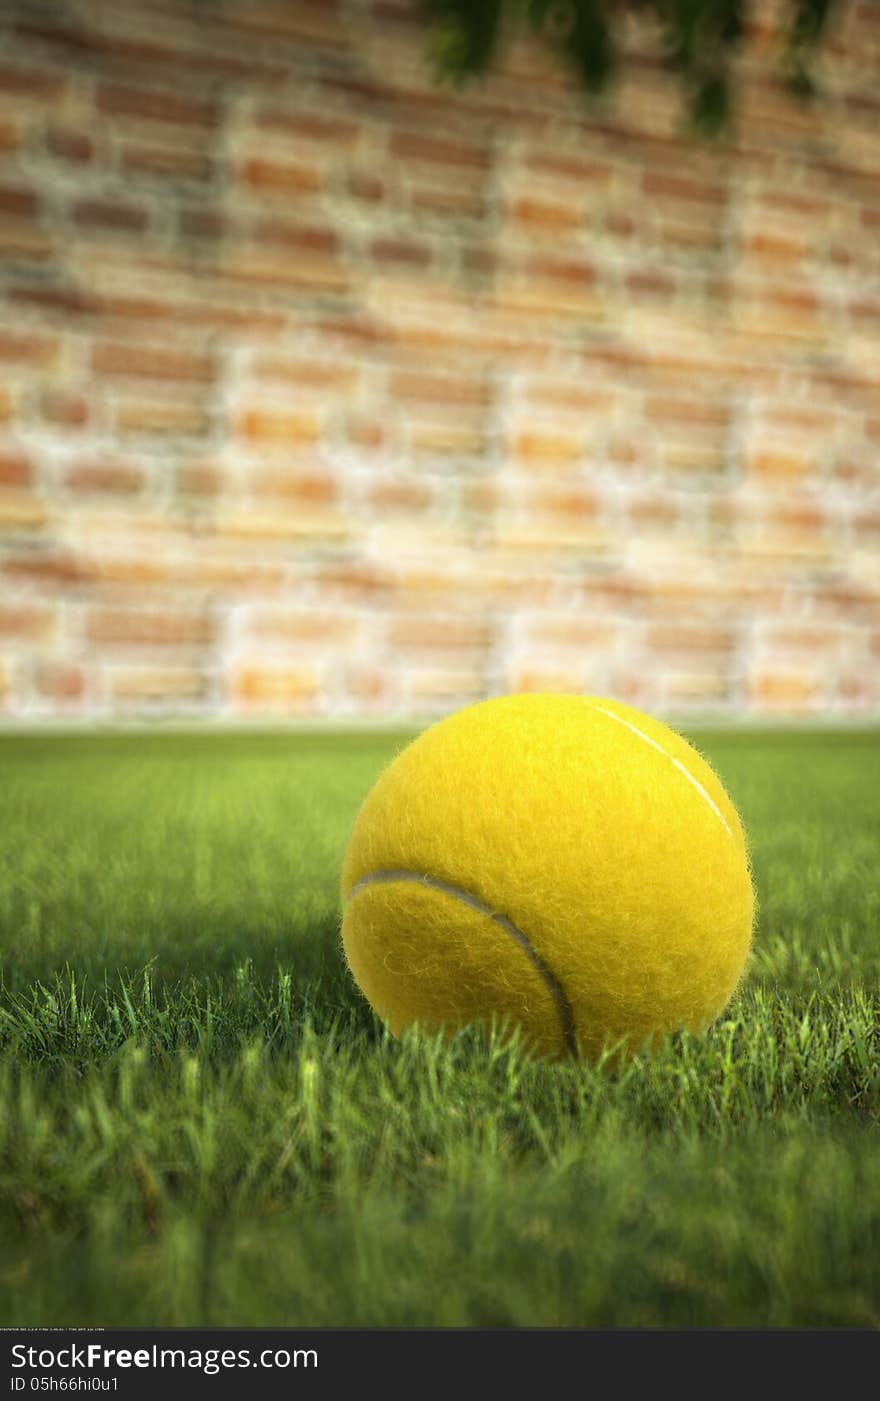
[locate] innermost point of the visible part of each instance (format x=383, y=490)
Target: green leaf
x=710, y=105
x=590, y=44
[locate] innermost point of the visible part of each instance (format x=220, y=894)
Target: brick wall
x=326, y=391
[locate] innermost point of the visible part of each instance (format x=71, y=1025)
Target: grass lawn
x=202, y=1123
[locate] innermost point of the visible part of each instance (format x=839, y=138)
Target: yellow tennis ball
x=564, y=864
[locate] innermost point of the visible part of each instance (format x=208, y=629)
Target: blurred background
x=329, y=391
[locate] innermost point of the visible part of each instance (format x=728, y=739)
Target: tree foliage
x=700, y=38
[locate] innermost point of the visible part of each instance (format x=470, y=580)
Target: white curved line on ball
x=554, y=987
x=695, y=782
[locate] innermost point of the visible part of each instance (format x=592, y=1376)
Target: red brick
x=779, y=466
x=654, y=510
x=161, y=420
x=49, y=567
x=145, y=686
x=65, y=410
x=447, y=439
x=300, y=625
x=780, y=690
x=650, y=284
x=676, y=187
x=285, y=429
x=289, y=688
x=359, y=91
x=105, y=478
x=309, y=238
x=458, y=204
x=619, y=591
x=481, y=260
x=274, y=178
x=67, y=301
x=407, y=386
x=25, y=243
x=316, y=23
x=690, y=237
x=342, y=134
x=167, y=161
x=200, y=314
x=117, y=358
x=807, y=206
x=31, y=83
x=26, y=623
x=204, y=223
x=368, y=188
x=864, y=310
x=137, y=628
x=572, y=270
x=354, y=580
x=621, y=225
x=560, y=394
x=799, y=420
x=61, y=683
x=439, y=151
x=22, y=511
x=571, y=167
x=401, y=250
x=805, y=638
x=618, y=359
x=367, y=683
x=793, y=301
x=547, y=447
x=68, y=145
x=624, y=453
x=359, y=331
x=107, y=214
x=367, y=433
x=28, y=349
x=839, y=382
x=570, y=632
x=665, y=638
x=542, y=213
x=114, y=568
x=564, y=680
x=198, y=479
x=15, y=469
x=774, y=248
x=306, y=373
x=801, y=517
x=18, y=201
x=572, y=503
x=277, y=268
x=315, y=488
x=441, y=635
x=118, y=53
x=166, y=107
x=687, y=411
x=856, y=691
x=399, y=496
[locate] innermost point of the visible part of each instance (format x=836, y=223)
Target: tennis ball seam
x=676, y=763
x=563, y=1007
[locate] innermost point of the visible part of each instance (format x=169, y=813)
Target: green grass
x=202, y=1123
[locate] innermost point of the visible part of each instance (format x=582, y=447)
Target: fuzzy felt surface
x=600, y=834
